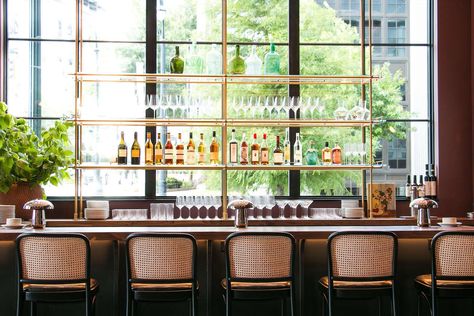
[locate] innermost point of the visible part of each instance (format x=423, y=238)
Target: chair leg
x=292, y=301
x=324, y=305
x=33, y=308
x=228, y=307
x=282, y=307
x=129, y=304
x=379, y=304
x=194, y=304
x=19, y=304
x=418, y=304
x=394, y=302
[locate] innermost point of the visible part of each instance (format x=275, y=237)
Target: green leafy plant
x=27, y=158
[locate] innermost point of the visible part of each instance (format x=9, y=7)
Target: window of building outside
x=41, y=55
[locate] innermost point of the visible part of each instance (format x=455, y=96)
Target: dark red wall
x=453, y=115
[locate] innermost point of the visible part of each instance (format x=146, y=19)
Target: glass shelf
x=224, y=79
x=226, y=167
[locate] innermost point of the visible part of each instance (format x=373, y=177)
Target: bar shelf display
x=227, y=120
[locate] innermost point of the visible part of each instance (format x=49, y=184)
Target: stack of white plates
x=97, y=210
x=6, y=211
x=349, y=203
x=353, y=212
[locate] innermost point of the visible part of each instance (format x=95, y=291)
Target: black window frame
x=294, y=69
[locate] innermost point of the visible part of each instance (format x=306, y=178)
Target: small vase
x=18, y=195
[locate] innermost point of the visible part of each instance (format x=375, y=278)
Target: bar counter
x=107, y=244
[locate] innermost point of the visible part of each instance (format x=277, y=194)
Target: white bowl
x=96, y=213
x=98, y=204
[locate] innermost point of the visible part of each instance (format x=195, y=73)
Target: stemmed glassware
x=293, y=206
x=305, y=208
x=320, y=107
x=180, y=203
x=281, y=206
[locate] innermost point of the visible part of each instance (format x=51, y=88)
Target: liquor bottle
x=278, y=153
x=427, y=181
x=414, y=186
x=408, y=187
x=135, y=150
x=194, y=62
x=336, y=155
x=433, y=182
x=255, y=151
x=311, y=155
x=421, y=187
x=237, y=63
x=148, y=150
x=254, y=63
x=201, y=151
x=326, y=154
x=272, y=62
x=177, y=63
x=158, y=150
x=191, y=151
x=214, y=150
x=287, y=148
x=233, y=149
x=169, y=150
x=179, y=151
x=244, y=151
x=122, y=151
x=214, y=61
x=264, y=152
x=298, y=151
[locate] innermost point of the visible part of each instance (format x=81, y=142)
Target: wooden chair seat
x=256, y=285
x=425, y=280
x=324, y=281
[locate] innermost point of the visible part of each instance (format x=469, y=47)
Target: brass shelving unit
x=224, y=80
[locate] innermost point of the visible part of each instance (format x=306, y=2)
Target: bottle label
x=433, y=188
x=202, y=157
x=135, y=153
x=190, y=157
x=287, y=154
x=214, y=156
x=149, y=155
x=168, y=153
x=298, y=156
x=255, y=156
x=233, y=153
x=427, y=188
x=327, y=156
x=278, y=158
x=158, y=158
x=180, y=154
x=264, y=155
x=336, y=157
x=244, y=155
x=122, y=153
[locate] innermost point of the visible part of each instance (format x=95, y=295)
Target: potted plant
x=28, y=161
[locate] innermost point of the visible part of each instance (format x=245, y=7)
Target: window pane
x=55, y=19
x=257, y=21
x=196, y=182
x=185, y=20
x=114, y=20
x=42, y=86
x=113, y=58
x=402, y=91
x=330, y=60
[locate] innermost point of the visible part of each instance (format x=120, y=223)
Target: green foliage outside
x=267, y=20
x=27, y=158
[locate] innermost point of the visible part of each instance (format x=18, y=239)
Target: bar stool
x=452, y=269
x=161, y=268
x=361, y=265
x=259, y=266
x=54, y=268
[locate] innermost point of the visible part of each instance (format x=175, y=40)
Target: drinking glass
x=198, y=203
x=320, y=107
x=208, y=203
x=305, y=208
x=270, y=203
x=281, y=205
x=286, y=107
x=275, y=113
x=260, y=203
x=180, y=203
x=267, y=109
x=293, y=206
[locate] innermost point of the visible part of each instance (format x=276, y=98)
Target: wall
x=453, y=107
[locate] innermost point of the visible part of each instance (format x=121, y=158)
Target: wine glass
x=275, y=113
x=198, y=203
x=208, y=203
x=180, y=203
x=285, y=107
x=293, y=206
x=305, y=208
x=281, y=206
x=270, y=203
x=320, y=107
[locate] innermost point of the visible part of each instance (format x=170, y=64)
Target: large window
x=41, y=55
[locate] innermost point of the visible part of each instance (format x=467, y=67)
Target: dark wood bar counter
x=108, y=263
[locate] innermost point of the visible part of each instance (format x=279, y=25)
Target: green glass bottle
x=272, y=62
x=177, y=63
x=311, y=155
x=237, y=63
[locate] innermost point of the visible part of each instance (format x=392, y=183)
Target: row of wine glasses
x=200, y=202
x=179, y=106
x=253, y=107
x=355, y=154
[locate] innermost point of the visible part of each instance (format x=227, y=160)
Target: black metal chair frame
x=360, y=293
x=435, y=293
x=260, y=294
x=54, y=296
x=165, y=295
